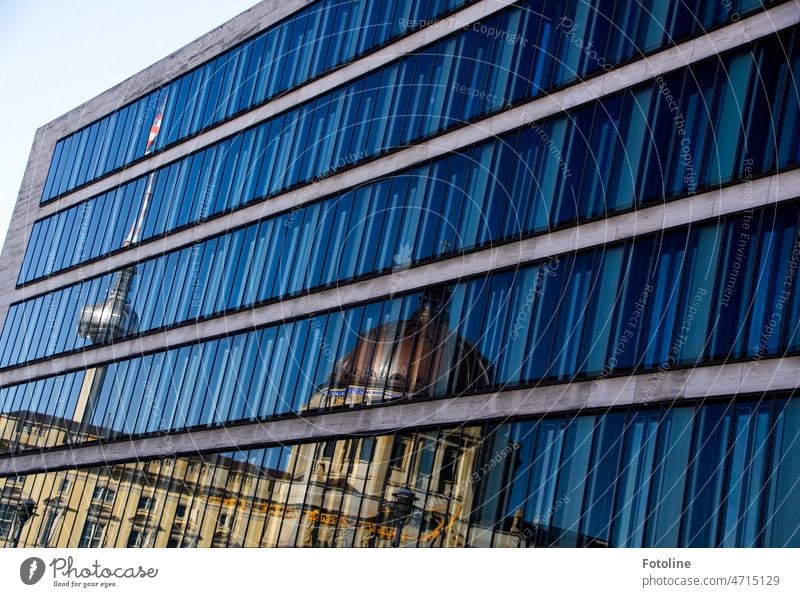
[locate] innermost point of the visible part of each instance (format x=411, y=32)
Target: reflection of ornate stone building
x=336, y=493
x=21, y=431
x=411, y=358
x=277, y=280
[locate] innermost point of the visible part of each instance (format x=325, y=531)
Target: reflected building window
x=92, y=534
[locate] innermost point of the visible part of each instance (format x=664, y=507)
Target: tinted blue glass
x=565, y=516
x=277, y=346
x=575, y=292
x=489, y=477
x=636, y=469
x=606, y=453
x=554, y=188
x=741, y=522
x=282, y=57
x=701, y=516
x=782, y=518
x=542, y=498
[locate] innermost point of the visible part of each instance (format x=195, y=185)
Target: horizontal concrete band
x=690, y=52
x=705, y=206
x=779, y=374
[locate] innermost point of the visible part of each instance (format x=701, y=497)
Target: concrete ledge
x=664, y=386
x=705, y=206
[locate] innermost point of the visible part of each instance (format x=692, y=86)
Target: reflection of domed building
x=415, y=357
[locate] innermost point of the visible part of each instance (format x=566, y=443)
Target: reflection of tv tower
x=113, y=318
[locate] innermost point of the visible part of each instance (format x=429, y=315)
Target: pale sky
x=56, y=54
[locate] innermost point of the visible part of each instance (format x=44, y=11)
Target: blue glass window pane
x=184, y=285
x=600, y=310
x=635, y=290
x=604, y=471
x=216, y=381
x=782, y=517
x=222, y=255
x=542, y=329
x=728, y=117
x=566, y=511
x=659, y=321
x=636, y=470
x=701, y=517
x=733, y=286
x=259, y=397
x=47, y=191
x=95, y=137
x=490, y=485
x=308, y=237
x=747, y=459
x=542, y=494
x=274, y=401
x=521, y=453
x=578, y=280
x=181, y=365
x=204, y=384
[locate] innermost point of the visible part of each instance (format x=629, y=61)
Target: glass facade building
x=534, y=262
